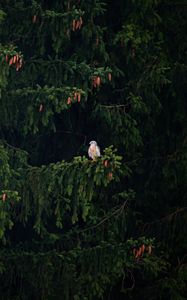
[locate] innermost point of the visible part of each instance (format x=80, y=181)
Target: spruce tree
x=75, y=71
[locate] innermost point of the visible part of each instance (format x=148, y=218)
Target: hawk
x=94, y=150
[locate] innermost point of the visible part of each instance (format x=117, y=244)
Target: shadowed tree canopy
x=114, y=227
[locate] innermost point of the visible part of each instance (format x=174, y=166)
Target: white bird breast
x=94, y=151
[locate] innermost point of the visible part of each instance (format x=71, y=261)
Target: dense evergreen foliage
x=112, y=71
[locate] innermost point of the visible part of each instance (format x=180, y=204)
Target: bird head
x=93, y=143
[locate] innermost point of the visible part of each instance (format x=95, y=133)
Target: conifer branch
x=117, y=211
x=168, y=218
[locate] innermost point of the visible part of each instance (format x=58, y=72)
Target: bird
x=93, y=150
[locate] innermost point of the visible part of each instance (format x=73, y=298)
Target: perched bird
x=93, y=150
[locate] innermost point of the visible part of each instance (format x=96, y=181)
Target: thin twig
x=166, y=218
x=117, y=211
x=133, y=281
x=114, y=105
x=12, y=147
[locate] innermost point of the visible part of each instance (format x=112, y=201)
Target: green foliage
x=7, y=211
x=54, y=193
x=111, y=228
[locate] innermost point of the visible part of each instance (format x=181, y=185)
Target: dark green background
x=68, y=229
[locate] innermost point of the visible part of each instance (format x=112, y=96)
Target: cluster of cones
x=138, y=252
x=34, y=19
x=15, y=60
x=76, y=96
x=4, y=196
x=106, y=165
x=96, y=80
x=77, y=24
